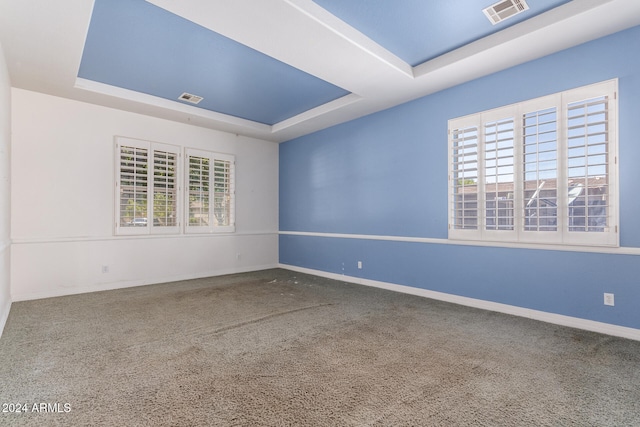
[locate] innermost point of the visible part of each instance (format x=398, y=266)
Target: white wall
x=5, y=190
x=62, y=172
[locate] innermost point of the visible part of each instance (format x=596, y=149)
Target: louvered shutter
x=587, y=162
x=548, y=170
x=133, y=189
x=499, y=174
x=147, y=184
x=165, y=189
x=540, y=159
x=464, y=178
x=211, y=192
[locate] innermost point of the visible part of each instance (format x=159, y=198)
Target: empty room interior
x=319, y=212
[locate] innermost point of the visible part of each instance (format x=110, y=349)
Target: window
x=541, y=171
x=149, y=192
x=210, y=198
x=147, y=187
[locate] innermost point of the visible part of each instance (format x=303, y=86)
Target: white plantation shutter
x=165, y=189
x=147, y=187
x=198, y=195
x=540, y=158
x=210, y=198
x=463, y=196
x=591, y=162
x=548, y=175
x=499, y=174
x=587, y=164
x=133, y=188
x=223, y=192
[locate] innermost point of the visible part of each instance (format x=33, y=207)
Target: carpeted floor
x=279, y=348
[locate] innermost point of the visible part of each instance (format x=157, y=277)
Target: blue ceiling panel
x=419, y=30
x=135, y=45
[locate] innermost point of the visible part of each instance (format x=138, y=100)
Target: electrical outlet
x=105, y=269
x=608, y=299
x=359, y=265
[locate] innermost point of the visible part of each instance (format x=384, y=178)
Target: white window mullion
x=518, y=195
x=563, y=188
x=482, y=198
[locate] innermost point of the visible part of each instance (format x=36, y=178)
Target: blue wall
x=386, y=174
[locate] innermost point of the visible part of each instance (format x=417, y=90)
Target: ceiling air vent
x=504, y=9
x=194, y=99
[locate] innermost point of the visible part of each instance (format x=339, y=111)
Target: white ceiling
x=43, y=41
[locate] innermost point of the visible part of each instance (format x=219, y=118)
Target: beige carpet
x=279, y=348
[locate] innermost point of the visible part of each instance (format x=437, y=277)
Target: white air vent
x=194, y=99
x=504, y=9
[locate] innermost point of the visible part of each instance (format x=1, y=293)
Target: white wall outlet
x=105, y=269
x=359, y=265
x=608, y=299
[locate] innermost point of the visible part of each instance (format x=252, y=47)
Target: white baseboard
x=59, y=292
x=558, y=319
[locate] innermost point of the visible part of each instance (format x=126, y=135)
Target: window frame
x=561, y=236
x=211, y=226
x=151, y=147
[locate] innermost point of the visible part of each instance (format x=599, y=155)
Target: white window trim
x=211, y=227
x=562, y=236
x=151, y=147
